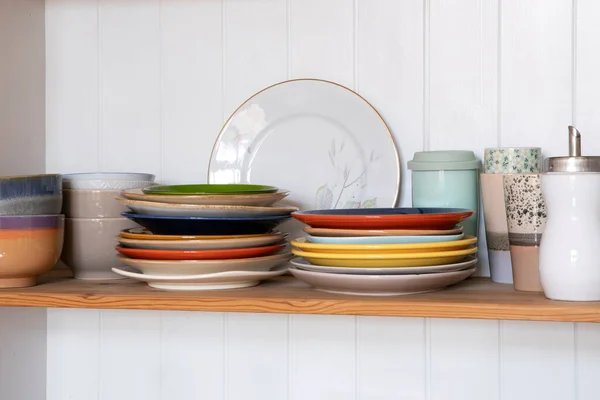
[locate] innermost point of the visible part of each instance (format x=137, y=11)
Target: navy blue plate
x=206, y=225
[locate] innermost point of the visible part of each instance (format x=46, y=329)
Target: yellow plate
x=351, y=260
x=143, y=234
x=404, y=248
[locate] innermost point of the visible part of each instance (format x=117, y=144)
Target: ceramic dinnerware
x=526, y=217
x=223, y=280
x=512, y=160
x=384, y=218
x=326, y=232
x=380, y=285
x=496, y=228
x=30, y=245
x=403, y=248
x=144, y=234
x=206, y=225
x=219, y=254
x=448, y=178
x=301, y=263
x=89, y=246
x=385, y=260
x=193, y=210
x=209, y=189
x=200, y=267
x=255, y=200
x=353, y=161
x=107, y=180
x=81, y=203
x=214, y=244
x=381, y=239
x=30, y=195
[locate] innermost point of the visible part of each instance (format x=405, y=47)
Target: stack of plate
x=203, y=237
x=383, y=251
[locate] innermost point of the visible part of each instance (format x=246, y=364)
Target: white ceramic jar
x=569, y=262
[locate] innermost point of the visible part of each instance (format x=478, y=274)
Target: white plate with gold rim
x=346, y=150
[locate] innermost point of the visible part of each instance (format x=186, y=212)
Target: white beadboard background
x=144, y=85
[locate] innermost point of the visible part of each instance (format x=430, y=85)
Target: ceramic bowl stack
x=204, y=237
x=383, y=251
x=31, y=228
x=94, y=219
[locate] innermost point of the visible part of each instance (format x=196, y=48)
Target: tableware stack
x=504, y=165
x=93, y=219
x=31, y=227
x=383, y=251
x=204, y=237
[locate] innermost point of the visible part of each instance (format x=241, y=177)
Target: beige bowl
x=30, y=246
x=79, y=203
x=89, y=249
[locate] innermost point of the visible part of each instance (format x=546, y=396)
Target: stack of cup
x=94, y=220
x=498, y=164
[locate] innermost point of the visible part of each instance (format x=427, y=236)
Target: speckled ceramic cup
x=526, y=221
x=512, y=160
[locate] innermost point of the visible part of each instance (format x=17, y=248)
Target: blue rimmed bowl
x=31, y=195
x=163, y=225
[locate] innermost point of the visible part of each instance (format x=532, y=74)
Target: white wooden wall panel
x=146, y=84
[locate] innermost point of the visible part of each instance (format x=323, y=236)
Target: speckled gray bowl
x=31, y=195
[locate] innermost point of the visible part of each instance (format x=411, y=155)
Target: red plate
x=226, y=254
x=384, y=218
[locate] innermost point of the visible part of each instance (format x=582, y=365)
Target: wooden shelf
x=475, y=298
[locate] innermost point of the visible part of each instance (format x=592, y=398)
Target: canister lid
x=444, y=160
x=574, y=162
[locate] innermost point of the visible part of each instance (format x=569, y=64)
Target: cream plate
x=258, y=200
x=301, y=263
x=380, y=285
x=346, y=152
x=201, y=210
x=200, y=267
x=223, y=280
x=202, y=244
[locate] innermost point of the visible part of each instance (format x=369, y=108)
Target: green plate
x=209, y=189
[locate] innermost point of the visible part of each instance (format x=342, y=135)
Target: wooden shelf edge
x=476, y=298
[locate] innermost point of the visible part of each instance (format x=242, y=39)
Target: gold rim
x=398, y=168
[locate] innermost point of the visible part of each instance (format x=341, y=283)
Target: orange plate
x=226, y=254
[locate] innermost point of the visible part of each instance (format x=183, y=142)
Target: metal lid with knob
x=574, y=162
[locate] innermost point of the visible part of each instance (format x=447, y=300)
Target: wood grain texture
x=475, y=298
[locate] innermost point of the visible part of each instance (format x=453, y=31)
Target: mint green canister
x=447, y=179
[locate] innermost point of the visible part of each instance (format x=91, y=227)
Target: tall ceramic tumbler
x=498, y=163
x=447, y=179
x=526, y=221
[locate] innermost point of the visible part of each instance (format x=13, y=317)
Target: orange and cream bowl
x=30, y=245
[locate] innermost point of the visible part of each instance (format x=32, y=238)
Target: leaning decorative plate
x=226, y=254
x=382, y=239
x=223, y=280
x=319, y=139
x=380, y=285
x=204, y=244
x=385, y=260
x=206, y=225
x=201, y=210
x=403, y=248
x=385, y=218
x=200, y=267
x=301, y=263
x=257, y=200
x=339, y=233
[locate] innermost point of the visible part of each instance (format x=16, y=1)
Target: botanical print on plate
x=321, y=141
x=512, y=160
